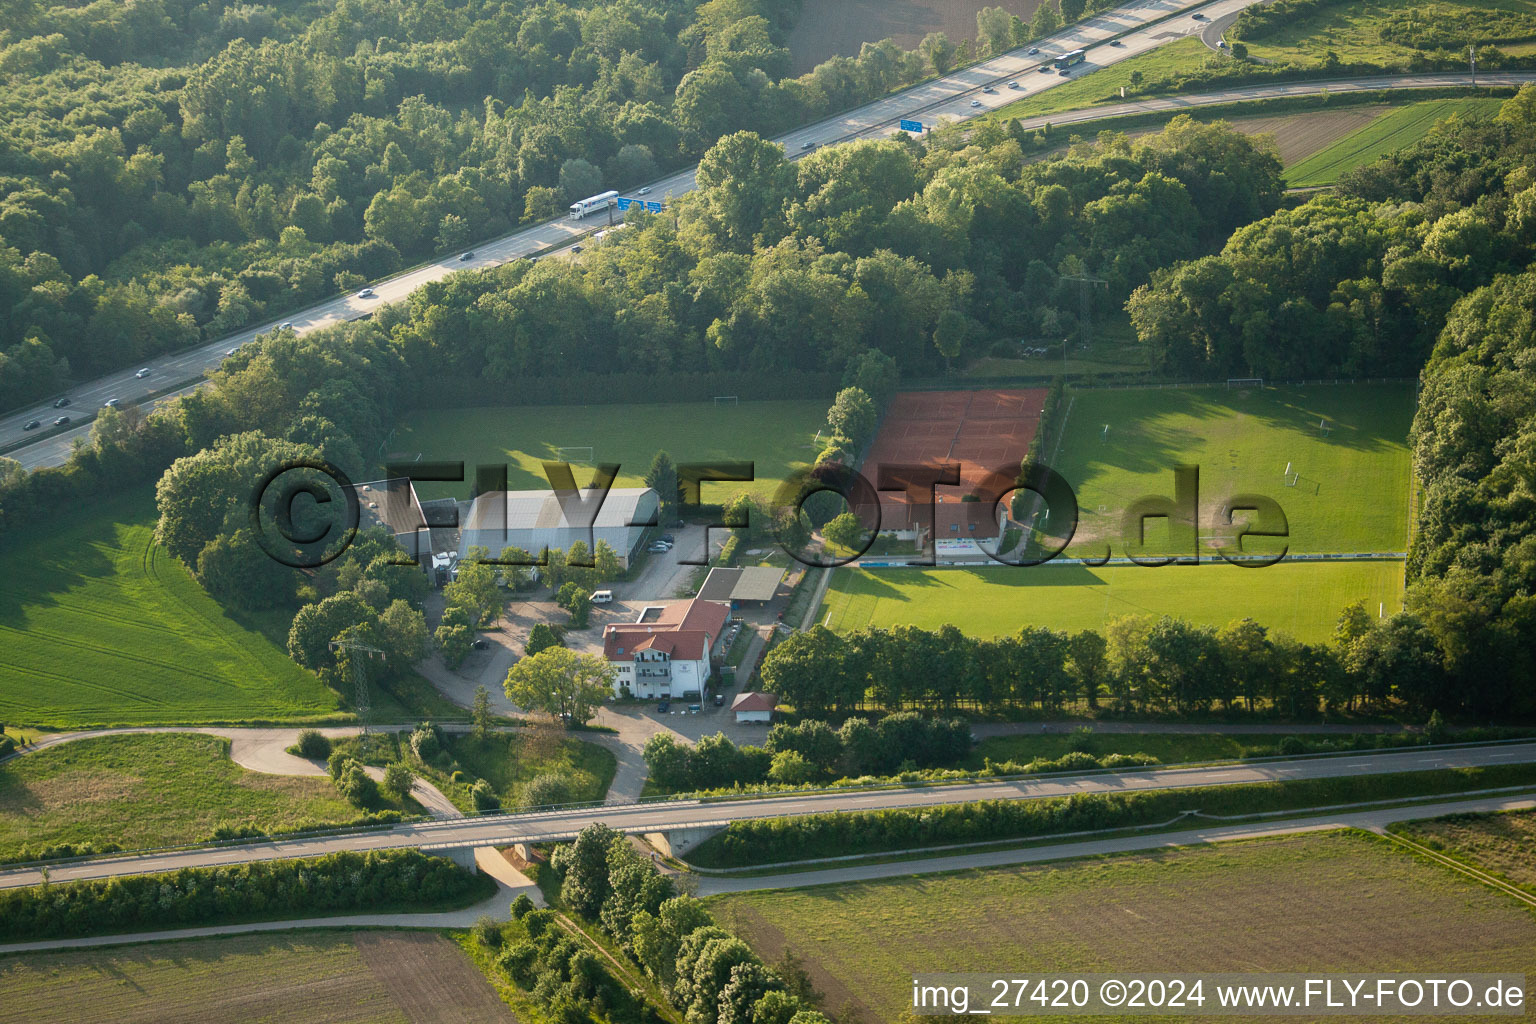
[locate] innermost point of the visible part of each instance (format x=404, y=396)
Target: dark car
x=31, y=425
x=694, y=709
x=1065, y=72
x=719, y=699
x=465, y=257
x=809, y=145
x=61, y=421
x=678, y=525
x=663, y=708
x=575, y=248
x=669, y=538
x=481, y=644
x=1045, y=69
x=61, y=403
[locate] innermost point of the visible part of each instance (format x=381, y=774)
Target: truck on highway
x=601, y=201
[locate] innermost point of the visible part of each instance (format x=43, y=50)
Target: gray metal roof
x=757, y=583
x=541, y=510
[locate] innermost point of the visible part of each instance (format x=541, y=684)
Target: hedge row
x=774, y=840
x=381, y=879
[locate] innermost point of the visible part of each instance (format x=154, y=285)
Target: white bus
x=598, y=202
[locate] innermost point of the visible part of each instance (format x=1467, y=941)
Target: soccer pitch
x=101, y=627
x=779, y=437
x=1346, y=447
x=1302, y=599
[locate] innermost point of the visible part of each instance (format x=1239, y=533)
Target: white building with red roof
x=669, y=651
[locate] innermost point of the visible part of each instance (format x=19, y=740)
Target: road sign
x=625, y=203
x=651, y=207
x=911, y=126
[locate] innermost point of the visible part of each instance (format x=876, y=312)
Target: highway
x=663, y=816
x=1138, y=28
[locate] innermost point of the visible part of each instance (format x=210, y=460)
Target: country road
x=682, y=814
x=1138, y=28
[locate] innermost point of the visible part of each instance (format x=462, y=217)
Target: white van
x=602, y=597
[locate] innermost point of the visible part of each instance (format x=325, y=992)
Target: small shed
x=754, y=707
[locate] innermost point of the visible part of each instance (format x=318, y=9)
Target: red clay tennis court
x=983, y=431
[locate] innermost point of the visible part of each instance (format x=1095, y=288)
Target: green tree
x=481, y=714
x=1045, y=22
x=542, y=637
x=398, y=779
x=661, y=477
x=561, y=683
x=939, y=51
x=577, y=600
x=845, y=533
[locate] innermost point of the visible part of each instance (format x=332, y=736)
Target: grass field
x=509, y=761
x=1352, y=494
x=1299, y=598
x=1499, y=843
x=149, y=790
x=101, y=627
x=1385, y=135
x=1167, y=747
x=1354, y=30
x=1337, y=902
x=776, y=436
x=325, y=977
x=1102, y=86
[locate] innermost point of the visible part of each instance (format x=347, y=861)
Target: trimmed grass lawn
x=336, y=977
x=99, y=626
x=1351, y=495
x=148, y=790
x=1354, y=30
x=1102, y=86
x=1387, y=134
x=776, y=436
x=1338, y=902
x=1302, y=599
x=1498, y=843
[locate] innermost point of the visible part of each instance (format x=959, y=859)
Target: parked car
x=663, y=708
x=480, y=644
x=31, y=425
x=366, y=293
x=61, y=421
x=719, y=699
x=602, y=597
x=61, y=403
x=669, y=538
x=465, y=257
x=678, y=524
x=694, y=709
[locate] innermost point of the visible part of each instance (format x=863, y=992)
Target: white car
x=142, y=373
x=110, y=403
x=366, y=293
x=645, y=191
x=975, y=103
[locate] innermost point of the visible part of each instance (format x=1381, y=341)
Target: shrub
x=313, y=745
x=1082, y=739
x=7, y=746
x=545, y=790
x=336, y=762
x=336, y=882
x=426, y=741
x=537, y=922
x=398, y=778
x=486, y=932
x=484, y=797
x=1292, y=745
x=356, y=785
x=521, y=907
x=462, y=777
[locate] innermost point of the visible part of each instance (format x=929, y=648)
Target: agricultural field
x=1378, y=31
x=839, y=27
x=1297, y=598
x=148, y=790
x=1499, y=843
x=1383, y=136
x=1347, y=443
x=102, y=627
x=777, y=436
x=1336, y=902
x=324, y=977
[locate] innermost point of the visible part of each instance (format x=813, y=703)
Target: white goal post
x=725, y=400
x=574, y=453
x=1245, y=382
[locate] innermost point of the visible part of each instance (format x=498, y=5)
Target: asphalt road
x=680, y=814
x=949, y=97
